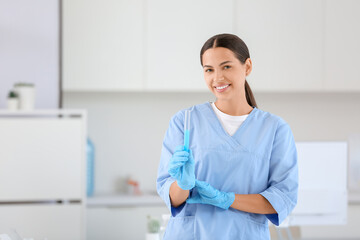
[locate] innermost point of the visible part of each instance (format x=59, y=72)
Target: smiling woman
x=241, y=168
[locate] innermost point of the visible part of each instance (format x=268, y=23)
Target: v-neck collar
x=234, y=138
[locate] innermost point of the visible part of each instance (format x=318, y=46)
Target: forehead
x=218, y=54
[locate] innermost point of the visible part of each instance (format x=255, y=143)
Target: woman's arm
x=177, y=195
x=253, y=203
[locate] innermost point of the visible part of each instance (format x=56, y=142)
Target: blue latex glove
x=206, y=194
x=182, y=168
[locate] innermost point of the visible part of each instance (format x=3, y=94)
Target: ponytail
x=249, y=95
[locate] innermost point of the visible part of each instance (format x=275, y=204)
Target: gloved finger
x=181, y=154
x=191, y=157
x=205, y=189
x=179, y=159
x=175, y=175
x=176, y=161
x=173, y=171
x=201, y=184
x=176, y=165
x=185, y=184
x=194, y=199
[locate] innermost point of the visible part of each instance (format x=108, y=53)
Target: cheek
x=209, y=83
x=239, y=76
x=207, y=79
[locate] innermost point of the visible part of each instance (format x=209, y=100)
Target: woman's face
x=224, y=73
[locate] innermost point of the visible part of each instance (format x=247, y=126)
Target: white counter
x=124, y=201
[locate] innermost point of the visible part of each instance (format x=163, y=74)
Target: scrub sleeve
x=174, y=137
x=283, y=179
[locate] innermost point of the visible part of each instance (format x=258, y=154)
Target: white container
x=152, y=236
x=26, y=94
x=13, y=104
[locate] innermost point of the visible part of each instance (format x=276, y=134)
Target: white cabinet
x=103, y=45
x=42, y=174
x=154, y=45
x=40, y=221
x=36, y=164
x=139, y=45
x=285, y=40
x=176, y=31
x=114, y=223
x=342, y=48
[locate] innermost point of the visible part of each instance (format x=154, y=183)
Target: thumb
x=191, y=157
x=174, y=173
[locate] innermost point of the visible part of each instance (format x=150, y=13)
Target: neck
x=234, y=107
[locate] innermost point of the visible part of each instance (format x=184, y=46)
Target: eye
x=227, y=67
x=208, y=70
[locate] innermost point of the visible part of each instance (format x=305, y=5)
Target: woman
x=241, y=168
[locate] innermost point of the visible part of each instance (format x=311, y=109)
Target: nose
x=219, y=76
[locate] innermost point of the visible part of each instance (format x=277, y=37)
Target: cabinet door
x=342, y=48
x=121, y=223
x=103, y=45
x=176, y=31
x=285, y=40
x=55, y=222
x=42, y=159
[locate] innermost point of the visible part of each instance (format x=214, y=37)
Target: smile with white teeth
x=222, y=87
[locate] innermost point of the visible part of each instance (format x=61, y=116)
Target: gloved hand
x=206, y=194
x=182, y=168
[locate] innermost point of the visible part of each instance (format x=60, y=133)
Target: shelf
x=124, y=201
x=42, y=112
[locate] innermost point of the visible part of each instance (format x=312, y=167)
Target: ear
x=248, y=66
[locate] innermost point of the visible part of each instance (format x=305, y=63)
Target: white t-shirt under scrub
x=229, y=123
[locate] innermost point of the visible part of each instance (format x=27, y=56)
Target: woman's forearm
x=177, y=195
x=253, y=203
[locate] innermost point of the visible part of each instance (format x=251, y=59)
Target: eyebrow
x=219, y=64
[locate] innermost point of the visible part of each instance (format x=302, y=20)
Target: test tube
x=187, y=130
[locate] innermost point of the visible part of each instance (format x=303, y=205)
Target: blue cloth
x=182, y=168
x=207, y=194
x=260, y=158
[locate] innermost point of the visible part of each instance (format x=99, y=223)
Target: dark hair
x=240, y=50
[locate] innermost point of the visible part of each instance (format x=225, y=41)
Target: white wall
x=128, y=129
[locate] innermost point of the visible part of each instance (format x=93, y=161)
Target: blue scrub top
x=260, y=158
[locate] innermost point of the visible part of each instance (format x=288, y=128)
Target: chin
x=223, y=98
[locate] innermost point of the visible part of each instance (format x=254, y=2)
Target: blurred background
x=127, y=66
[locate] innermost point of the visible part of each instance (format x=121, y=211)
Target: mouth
x=222, y=88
